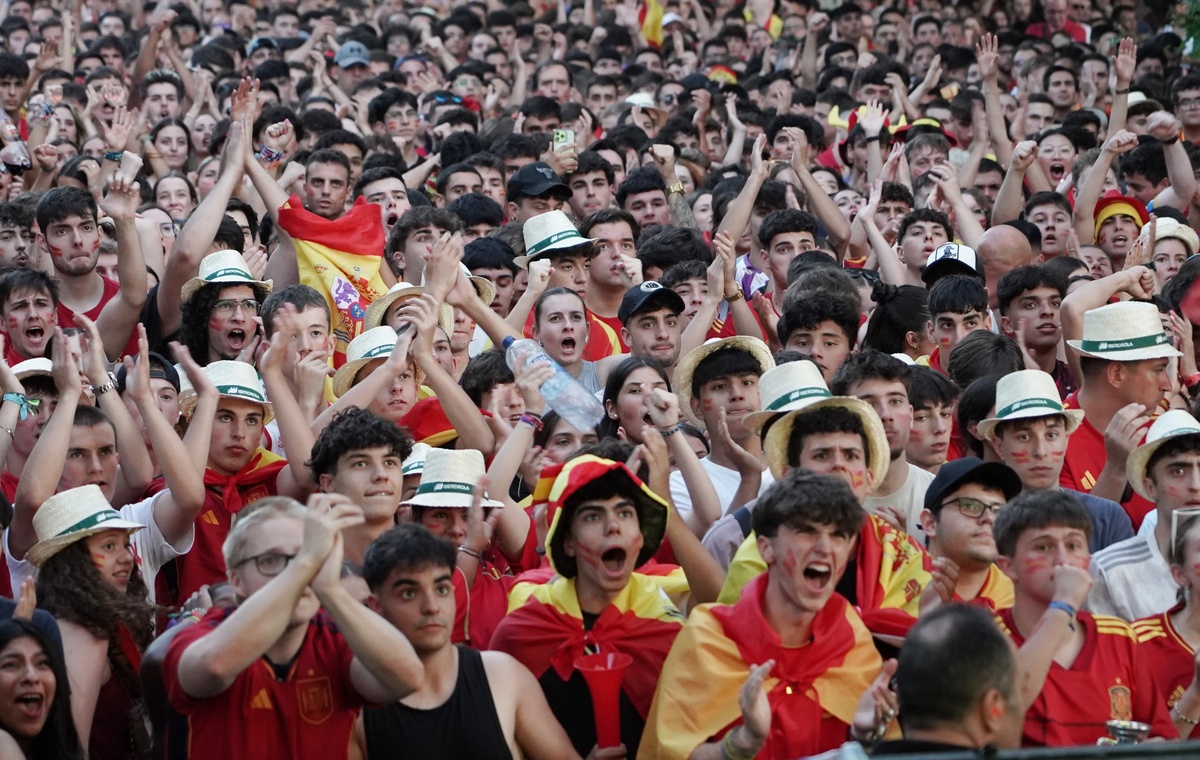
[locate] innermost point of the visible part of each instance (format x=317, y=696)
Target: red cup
x=604, y=673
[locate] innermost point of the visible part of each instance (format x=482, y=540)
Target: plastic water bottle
x=563, y=393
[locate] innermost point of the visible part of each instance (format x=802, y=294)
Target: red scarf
x=547, y=632
x=259, y=471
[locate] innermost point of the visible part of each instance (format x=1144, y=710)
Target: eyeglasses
x=229, y=305
x=170, y=229
x=269, y=564
x=973, y=508
x=1188, y=103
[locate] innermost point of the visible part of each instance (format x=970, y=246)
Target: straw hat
x=226, y=267
x=402, y=291
x=449, y=479
x=33, y=368
x=786, y=388
x=645, y=101
x=687, y=366
x=1169, y=228
x=415, y=464
x=233, y=380
x=559, y=483
x=376, y=343
x=1174, y=423
x=1024, y=394
x=484, y=288
x=71, y=516
x=1124, y=332
x=546, y=233
x=775, y=442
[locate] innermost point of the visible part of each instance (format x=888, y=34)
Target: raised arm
x=820, y=204
x=1164, y=127
x=987, y=55
x=664, y=161
x=198, y=437
x=1137, y=282
x=296, y=481
x=1053, y=629
x=737, y=216
x=1010, y=199
x=1089, y=192
x=117, y=319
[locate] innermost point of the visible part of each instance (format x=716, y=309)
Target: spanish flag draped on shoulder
x=341, y=259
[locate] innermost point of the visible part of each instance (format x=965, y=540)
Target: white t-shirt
x=725, y=481
x=150, y=547
x=909, y=497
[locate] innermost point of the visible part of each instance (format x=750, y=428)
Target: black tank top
x=464, y=726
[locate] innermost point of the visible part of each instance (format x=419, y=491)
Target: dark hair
x=484, y=372
x=334, y=137
x=1045, y=198
x=374, y=175
x=679, y=274
x=644, y=179
x=416, y=218
x=983, y=352
x=162, y=76
x=809, y=312
x=517, y=146
x=444, y=175
x=928, y=387
x=951, y=658
x=195, y=313
x=237, y=204
x=61, y=202
x=16, y=280
x=671, y=245
x=1172, y=447
x=1038, y=509
x=957, y=294
x=830, y=419
x=1148, y=160
x=899, y=310
x=590, y=162
x=868, y=365
x=723, y=363
x=802, y=498
x=57, y=739
x=229, y=235
x=13, y=66
x=1017, y=281
x=785, y=220
x=407, y=547
x=353, y=430
x=560, y=291
x=328, y=156
x=612, y=388
x=378, y=107
x=608, y=216
x=476, y=208
x=975, y=405
x=489, y=253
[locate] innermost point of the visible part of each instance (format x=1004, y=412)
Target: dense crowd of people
x=624, y=378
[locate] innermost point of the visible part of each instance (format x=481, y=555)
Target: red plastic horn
x=604, y=673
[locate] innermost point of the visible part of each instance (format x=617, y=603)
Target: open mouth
x=31, y=704
x=568, y=345
x=614, y=559
x=818, y=575
x=1120, y=241
x=236, y=339
x=391, y=220
x=1057, y=171
x=35, y=333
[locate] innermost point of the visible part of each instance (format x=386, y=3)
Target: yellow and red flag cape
x=813, y=690
x=892, y=571
x=547, y=632
x=651, y=18
x=340, y=259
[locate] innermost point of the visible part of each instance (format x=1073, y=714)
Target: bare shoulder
x=9, y=748
x=503, y=665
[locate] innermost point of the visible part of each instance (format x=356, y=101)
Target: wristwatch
x=99, y=390
x=676, y=188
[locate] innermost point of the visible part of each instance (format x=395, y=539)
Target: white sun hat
x=449, y=479
x=546, y=233
x=233, y=380
x=1024, y=394
x=225, y=267
x=33, y=367
x=403, y=291
x=376, y=343
x=1124, y=332
x=415, y=464
x=1165, y=228
x=1171, y=424
x=786, y=388
x=71, y=516
x=687, y=366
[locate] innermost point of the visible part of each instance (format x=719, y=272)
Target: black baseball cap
x=160, y=369
x=535, y=180
x=971, y=470
x=647, y=296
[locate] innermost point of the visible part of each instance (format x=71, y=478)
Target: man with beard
x=1122, y=354
x=881, y=381
x=220, y=309
x=70, y=235
x=961, y=505
x=605, y=522
x=28, y=310
x=777, y=673
x=410, y=572
x=717, y=385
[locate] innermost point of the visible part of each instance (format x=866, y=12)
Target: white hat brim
x=44, y=550
x=1164, y=351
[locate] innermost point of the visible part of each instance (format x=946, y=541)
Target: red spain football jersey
x=310, y=713
x=1085, y=461
x=1109, y=680
x=1171, y=659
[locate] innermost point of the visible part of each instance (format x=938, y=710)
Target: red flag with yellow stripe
x=651, y=16
x=813, y=690
x=341, y=260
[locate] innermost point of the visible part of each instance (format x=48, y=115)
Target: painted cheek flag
x=340, y=259
x=547, y=632
x=892, y=572
x=813, y=690
x=651, y=16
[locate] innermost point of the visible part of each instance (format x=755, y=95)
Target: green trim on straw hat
x=241, y=391
x=445, y=486
x=796, y=395
x=1054, y=405
x=228, y=272
x=1129, y=344
x=91, y=521
x=557, y=237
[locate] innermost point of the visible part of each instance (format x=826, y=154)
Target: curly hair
x=69, y=587
x=354, y=430
x=193, y=331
